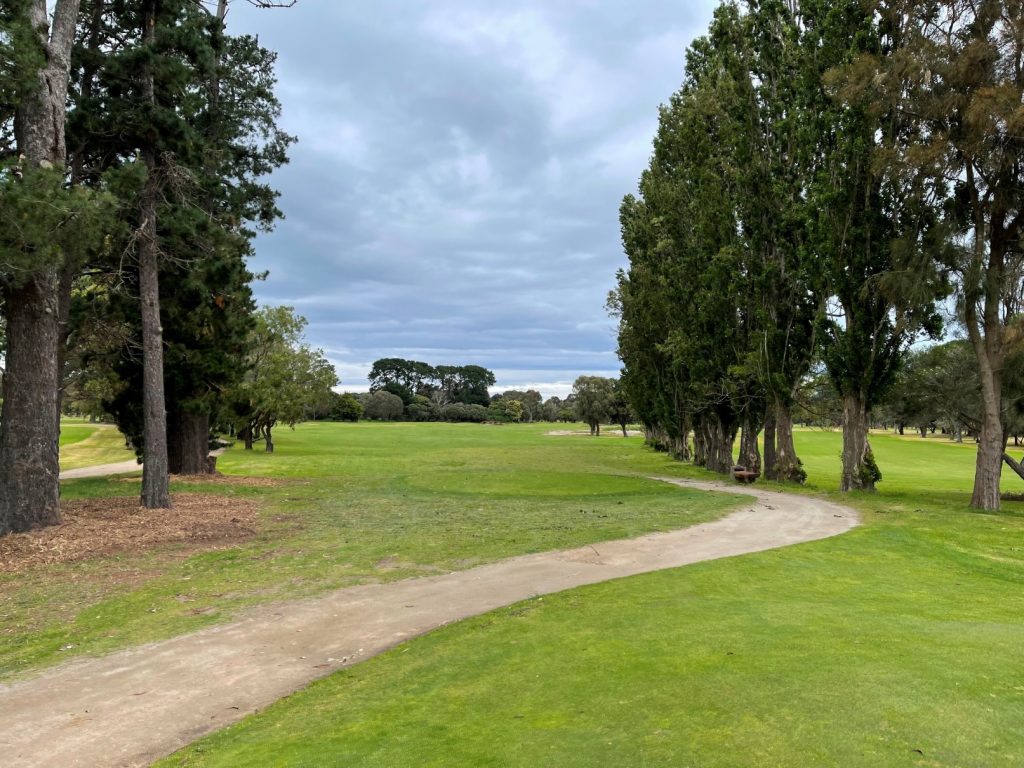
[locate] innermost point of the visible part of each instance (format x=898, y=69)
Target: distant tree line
x=829, y=173
x=936, y=391
x=409, y=390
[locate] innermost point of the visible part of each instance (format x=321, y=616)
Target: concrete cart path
x=134, y=706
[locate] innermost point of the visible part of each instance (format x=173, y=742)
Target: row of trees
x=509, y=406
x=135, y=138
x=826, y=175
x=442, y=384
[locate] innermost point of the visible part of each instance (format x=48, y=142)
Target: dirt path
x=117, y=468
x=132, y=707
x=102, y=470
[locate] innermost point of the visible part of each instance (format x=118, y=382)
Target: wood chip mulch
x=96, y=527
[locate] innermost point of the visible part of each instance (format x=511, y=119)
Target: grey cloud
x=455, y=190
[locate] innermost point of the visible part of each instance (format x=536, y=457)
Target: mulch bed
x=96, y=527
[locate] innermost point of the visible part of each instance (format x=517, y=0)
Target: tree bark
x=270, y=439
x=30, y=427
x=859, y=469
x=155, y=483
x=720, y=437
x=787, y=464
x=989, y=463
x=30, y=431
x=188, y=442
x=750, y=455
x=770, y=461
x=700, y=444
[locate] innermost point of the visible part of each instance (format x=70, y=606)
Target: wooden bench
x=741, y=475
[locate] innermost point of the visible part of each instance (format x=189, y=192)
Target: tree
x=872, y=237
x=530, y=401
x=285, y=380
x=619, y=410
x=383, y=406
x=472, y=385
x=215, y=202
x=345, y=407
x=36, y=63
x=959, y=82
x=593, y=399
x=504, y=409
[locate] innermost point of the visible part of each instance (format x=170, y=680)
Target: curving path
x=134, y=706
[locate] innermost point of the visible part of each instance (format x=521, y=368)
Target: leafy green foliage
x=443, y=384
x=285, y=379
x=383, y=406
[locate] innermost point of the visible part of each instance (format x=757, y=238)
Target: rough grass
x=901, y=643
x=363, y=502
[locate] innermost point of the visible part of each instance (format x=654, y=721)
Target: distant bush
x=383, y=406
x=422, y=409
x=463, y=412
x=345, y=407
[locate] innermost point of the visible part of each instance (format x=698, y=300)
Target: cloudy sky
x=454, y=194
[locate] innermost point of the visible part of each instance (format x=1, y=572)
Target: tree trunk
x=720, y=444
x=270, y=439
x=30, y=426
x=989, y=463
x=750, y=456
x=860, y=473
x=770, y=460
x=30, y=431
x=1014, y=465
x=155, y=490
x=188, y=442
x=787, y=464
x=700, y=444
x=245, y=434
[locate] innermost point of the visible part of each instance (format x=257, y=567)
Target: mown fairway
x=355, y=503
x=901, y=643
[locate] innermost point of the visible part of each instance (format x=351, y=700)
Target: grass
x=901, y=643
x=364, y=502
x=84, y=445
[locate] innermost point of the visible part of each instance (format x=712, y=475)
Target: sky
x=453, y=197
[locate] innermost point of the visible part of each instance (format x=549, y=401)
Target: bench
x=741, y=475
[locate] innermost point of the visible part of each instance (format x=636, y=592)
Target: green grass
x=365, y=502
x=899, y=644
x=85, y=445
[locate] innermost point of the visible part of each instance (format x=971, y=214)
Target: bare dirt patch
x=219, y=479
x=95, y=527
x=604, y=433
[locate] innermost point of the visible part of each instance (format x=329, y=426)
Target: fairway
x=343, y=505
x=898, y=644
